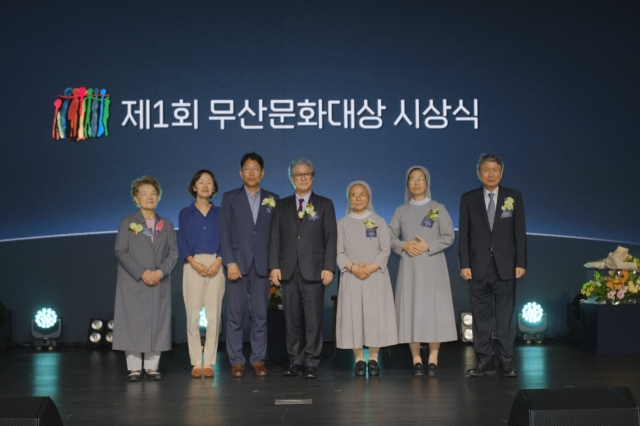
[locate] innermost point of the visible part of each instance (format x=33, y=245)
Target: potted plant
x=614, y=287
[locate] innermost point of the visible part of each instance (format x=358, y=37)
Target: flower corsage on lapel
x=270, y=203
x=160, y=226
x=311, y=212
x=135, y=228
x=430, y=218
x=371, y=228
x=507, y=207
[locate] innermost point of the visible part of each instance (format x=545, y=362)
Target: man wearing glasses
x=302, y=257
x=245, y=222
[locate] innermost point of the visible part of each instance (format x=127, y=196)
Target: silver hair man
x=298, y=162
x=490, y=157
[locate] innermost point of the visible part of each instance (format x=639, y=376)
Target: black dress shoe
x=482, y=368
x=310, y=373
x=418, y=369
x=507, y=370
x=293, y=371
x=432, y=370
x=374, y=368
x=361, y=368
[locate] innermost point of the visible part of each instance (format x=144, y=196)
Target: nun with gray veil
x=366, y=313
x=421, y=229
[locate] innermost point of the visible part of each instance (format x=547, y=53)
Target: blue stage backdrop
x=551, y=86
x=99, y=93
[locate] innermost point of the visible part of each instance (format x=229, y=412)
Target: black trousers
x=303, y=305
x=492, y=304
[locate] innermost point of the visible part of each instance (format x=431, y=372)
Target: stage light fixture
x=203, y=319
x=203, y=327
x=46, y=318
x=532, y=323
x=109, y=337
x=466, y=327
x=532, y=312
x=467, y=319
x=46, y=327
x=100, y=334
x=468, y=335
x=96, y=325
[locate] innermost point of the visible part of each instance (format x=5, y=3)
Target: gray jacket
x=142, y=319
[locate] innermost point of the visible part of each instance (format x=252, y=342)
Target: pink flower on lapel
x=160, y=226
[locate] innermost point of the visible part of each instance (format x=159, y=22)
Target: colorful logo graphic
x=81, y=114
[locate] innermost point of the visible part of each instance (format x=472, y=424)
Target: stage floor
x=89, y=387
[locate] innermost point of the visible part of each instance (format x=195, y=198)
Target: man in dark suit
x=493, y=254
x=245, y=223
x=302, y=256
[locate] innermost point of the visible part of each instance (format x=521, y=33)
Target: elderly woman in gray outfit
x=147, y=251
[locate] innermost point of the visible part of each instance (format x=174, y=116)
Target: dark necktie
x=491, y=210
x=300, y=201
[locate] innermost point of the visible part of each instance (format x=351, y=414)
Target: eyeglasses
x=417, y=180
x=299, y=176
x=251, y=169
x=361, y=195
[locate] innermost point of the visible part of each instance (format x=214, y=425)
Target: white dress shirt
x=304, y=203
x=487, y=199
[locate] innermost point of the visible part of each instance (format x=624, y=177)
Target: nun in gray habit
x=366, y=314
x=420, y=230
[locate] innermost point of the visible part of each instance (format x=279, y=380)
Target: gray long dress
x=142, y=319
x=366, y=314
x=423, y=291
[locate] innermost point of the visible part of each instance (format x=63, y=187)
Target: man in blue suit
x=245, y=222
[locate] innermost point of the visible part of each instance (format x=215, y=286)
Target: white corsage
x=310, y=211
x=270, y=204
x=508, y=204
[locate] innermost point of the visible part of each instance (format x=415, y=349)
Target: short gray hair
x=298, y=162
x=490, y=157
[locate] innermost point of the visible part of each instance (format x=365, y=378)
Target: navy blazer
x=242, y=241
x=313, y=245
x=508, y=238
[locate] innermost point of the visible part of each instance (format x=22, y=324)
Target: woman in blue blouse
x=203, y=280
